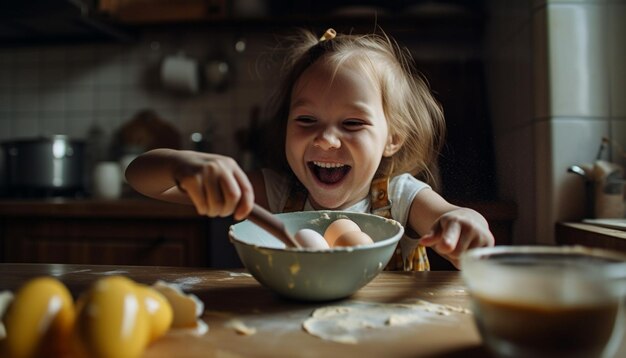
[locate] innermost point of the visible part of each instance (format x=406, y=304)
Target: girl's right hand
x=215, y=184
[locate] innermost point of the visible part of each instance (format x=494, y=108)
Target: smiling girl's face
x=337, y=134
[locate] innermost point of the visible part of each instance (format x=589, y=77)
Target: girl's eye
x=354, y=124
x=306, y=120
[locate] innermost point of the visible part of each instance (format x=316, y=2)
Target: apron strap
x=408, y=255
x=297, y=197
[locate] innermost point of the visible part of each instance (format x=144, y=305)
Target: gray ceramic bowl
x=316, y=275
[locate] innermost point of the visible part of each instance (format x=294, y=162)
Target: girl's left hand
x=456, y=232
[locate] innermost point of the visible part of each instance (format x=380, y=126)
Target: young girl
x=354, y=124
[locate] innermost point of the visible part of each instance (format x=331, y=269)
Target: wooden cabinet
x=106, y=241
x=126, y=232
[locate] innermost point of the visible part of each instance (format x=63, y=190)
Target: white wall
x=557, y=80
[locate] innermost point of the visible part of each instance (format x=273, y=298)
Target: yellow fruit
x=112, y=320
x=39, y=320
x=159, y=310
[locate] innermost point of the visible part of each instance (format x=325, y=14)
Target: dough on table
x=353, y=321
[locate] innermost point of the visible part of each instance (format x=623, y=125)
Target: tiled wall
x=558, y=84
x=70, y=89
x=74, y=89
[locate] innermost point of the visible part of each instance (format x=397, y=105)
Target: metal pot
x=54, y=163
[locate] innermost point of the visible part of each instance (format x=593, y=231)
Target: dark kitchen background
x=93, y=71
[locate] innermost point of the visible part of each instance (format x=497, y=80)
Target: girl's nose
x=327, y=139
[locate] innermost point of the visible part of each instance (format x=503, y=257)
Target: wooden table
x=232, y=294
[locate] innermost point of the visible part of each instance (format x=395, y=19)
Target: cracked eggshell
x=187, y=308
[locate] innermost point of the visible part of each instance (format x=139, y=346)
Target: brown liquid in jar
x=549, y=329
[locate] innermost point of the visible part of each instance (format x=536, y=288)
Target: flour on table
x=56, y=272
x=240, y=327
x=199, y=329
x=353, y=321
x=6, y=297
x=239, y=274
x=110, y=273
x=188, y=283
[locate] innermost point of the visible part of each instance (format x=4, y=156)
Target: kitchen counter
x=576, y=233
x=58, y=207
x=233, y=295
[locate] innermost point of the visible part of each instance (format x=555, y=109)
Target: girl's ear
x=393, y=145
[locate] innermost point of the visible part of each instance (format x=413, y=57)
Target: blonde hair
x=414, y=117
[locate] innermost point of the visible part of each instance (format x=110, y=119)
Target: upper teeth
x=328, y=165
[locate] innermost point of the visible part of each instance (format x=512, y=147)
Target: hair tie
x=328, y=35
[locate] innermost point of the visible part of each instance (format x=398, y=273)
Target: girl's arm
x=215, y=184
x=449, y=229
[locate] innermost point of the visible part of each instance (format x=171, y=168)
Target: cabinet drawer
x=101, y=241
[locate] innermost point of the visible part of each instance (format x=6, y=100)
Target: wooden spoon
x=270, y=223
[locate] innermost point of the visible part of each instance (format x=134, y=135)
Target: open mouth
x=329, y=173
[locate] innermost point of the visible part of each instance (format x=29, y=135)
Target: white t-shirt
x=402, y=190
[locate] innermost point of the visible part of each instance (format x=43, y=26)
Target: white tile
x=6, y=131
x=26, y=127
x=575, y=142
x=53, y=98
x=135, y=100
x=78, y=124
x=107, y=74
x=617, y=57
x=80, y=99
x=52, y=75
x=26, y=76
x=78, y=74
x=26, y=100
x=107, y=99
x=52, y=123
x=577, y=60
x=133, y=74
x=110, y=121
x=560, y=195
x=618, y=138
x=543, y=182
x=6, y=102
